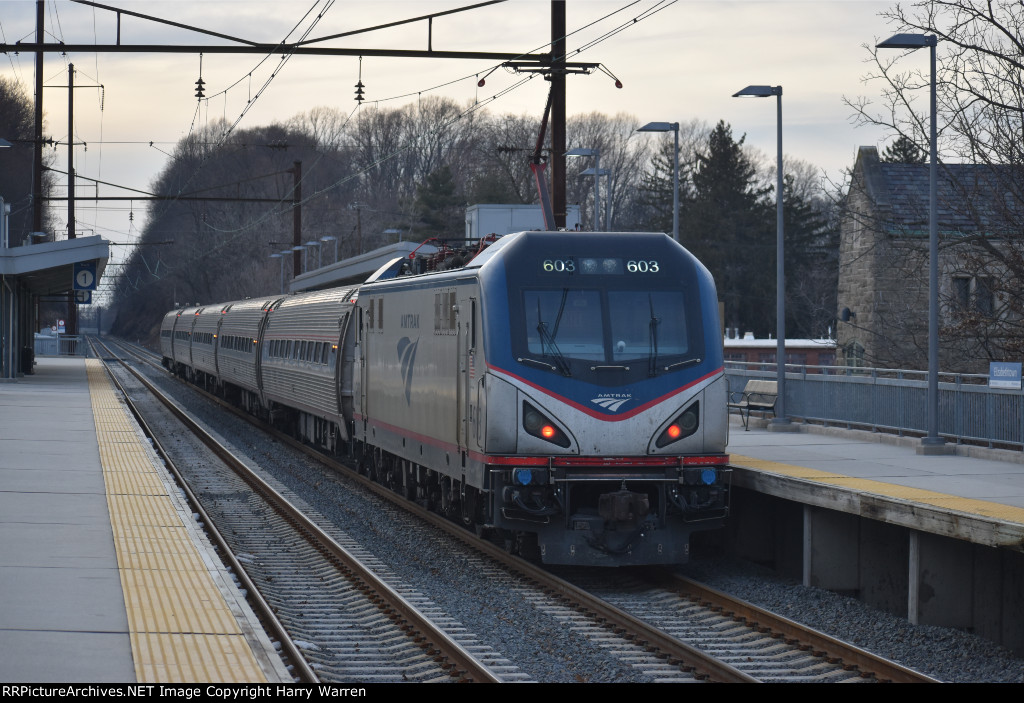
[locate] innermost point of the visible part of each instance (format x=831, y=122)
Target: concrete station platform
x=980, y=491
x=936, y=538
x=104, y=575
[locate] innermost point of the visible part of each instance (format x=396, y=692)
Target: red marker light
x=674, y=431
x=547, y=431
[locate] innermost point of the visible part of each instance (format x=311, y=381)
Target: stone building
x=883, y=266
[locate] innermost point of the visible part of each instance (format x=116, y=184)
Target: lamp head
x=908, y=41
x=759, y=91
x=659, y=127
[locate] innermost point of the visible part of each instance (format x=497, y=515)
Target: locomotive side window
x=444, y=312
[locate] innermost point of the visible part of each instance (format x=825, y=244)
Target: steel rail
x=624, y=624
x=790, y=631
x=264, y=611
x=409, y=618
x=793, y=632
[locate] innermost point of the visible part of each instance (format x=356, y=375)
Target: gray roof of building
x=971, y=199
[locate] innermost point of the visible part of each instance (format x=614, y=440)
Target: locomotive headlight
x=533, y=421
x=682, y=426
x=537, y=424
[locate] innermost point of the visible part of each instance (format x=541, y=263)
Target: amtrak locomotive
x=561, y=391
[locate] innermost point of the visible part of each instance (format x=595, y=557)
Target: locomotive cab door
x=362, y=340
x=466, y=376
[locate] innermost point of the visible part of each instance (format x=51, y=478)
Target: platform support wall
x=766, y=530
x=884, y=552
x=1011, y=623
x=945, y=582
x=831, y=550
x=913, y=577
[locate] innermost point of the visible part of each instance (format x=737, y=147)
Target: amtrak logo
x=612, y=401
x=407, y=355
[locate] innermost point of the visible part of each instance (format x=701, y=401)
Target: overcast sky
x=681, y=60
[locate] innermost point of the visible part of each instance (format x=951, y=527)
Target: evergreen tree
x=439, y=208
x=904, y=151
x=727, y=224
x=812, y=262
x=656, y=188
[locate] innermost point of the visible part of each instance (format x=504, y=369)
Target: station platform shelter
x=31, y=271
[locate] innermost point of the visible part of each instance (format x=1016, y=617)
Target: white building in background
x=482, y=220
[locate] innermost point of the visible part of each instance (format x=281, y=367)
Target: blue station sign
x=85, y=275
x=1004, y=374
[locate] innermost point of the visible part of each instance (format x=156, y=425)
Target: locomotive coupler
x=623, y=506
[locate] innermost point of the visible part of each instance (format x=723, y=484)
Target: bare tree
x=980, y=103
x=17, y=126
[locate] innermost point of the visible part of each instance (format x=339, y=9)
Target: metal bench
x=757, y=395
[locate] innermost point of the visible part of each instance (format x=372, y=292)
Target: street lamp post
x=597, y=173
x=670, y=127
x=278, y=256
x=281, y=255
x=315, y=245
x=297, y=250
x=331, y=238
x=932, y=443
x=780, y=422
x=596, y=153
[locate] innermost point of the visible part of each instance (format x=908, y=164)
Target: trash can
x=28, y=360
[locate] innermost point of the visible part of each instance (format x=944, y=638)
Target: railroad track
x=669, y=630
x=381, y=635
x=763, y=645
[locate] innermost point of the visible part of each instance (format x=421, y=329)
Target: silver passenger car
x=299, y=361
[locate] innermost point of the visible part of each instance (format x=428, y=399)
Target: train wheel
x=409, y=483
x=527, y=547
x=390, y=476
x=468, y=505
x=365, y=466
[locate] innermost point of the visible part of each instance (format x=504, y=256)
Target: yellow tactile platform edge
x=181, y=628
x=945, y=501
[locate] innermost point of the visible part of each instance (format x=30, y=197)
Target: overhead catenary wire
x=479, y=104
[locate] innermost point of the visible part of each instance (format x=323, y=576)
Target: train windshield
x=606, y=327
x=627, y=309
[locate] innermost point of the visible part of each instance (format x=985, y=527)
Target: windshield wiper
x=548, y=339
x=684, y=363
x=545, y=364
